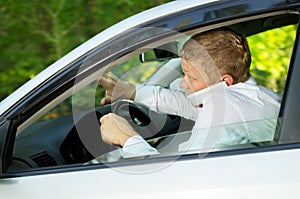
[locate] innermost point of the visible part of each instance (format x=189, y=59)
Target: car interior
x=66, y=131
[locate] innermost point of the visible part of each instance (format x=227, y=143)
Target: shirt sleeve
x=136, y=146
x=166, y=101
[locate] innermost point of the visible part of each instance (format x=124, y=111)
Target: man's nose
x=183, y=84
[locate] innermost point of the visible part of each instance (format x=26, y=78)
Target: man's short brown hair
x=227, y=49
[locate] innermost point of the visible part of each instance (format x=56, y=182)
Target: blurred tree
x=36, y=33
x=271, y=53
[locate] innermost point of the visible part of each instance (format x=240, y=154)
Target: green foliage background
x=271, y=53
x=36, y=33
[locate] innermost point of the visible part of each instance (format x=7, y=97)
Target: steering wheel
x=150, y=124
x=139, y=117
x=84, y=142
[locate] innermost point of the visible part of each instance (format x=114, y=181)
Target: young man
x=220, y=96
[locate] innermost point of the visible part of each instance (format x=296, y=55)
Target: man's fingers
x=103, y=137
x=106, y=117
x=102, y=101
x=108, y=79
x=104, y=127
x=102, y=119
x=106, y=82
x=112, y=77
x=105, y=100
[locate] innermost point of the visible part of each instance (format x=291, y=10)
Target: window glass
x=71, y=125
x=136, y=72
x=202, y=141
x=270, y=64
x=132, y=71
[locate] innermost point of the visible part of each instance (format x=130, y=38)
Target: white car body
x=240, y=176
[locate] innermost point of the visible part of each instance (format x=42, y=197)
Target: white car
x=50, y=142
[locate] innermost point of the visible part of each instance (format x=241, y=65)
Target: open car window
x=67, y=131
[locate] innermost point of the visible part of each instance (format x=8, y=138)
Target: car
x=50, y=132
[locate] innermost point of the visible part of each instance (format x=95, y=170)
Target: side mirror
x=161, y=53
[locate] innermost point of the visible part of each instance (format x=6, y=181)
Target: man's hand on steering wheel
x=116, y=88
x=115, y=129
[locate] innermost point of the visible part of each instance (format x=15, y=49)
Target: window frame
x=289, y=127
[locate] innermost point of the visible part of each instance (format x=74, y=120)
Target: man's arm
x=154, y=97
x=165, y=101
x=116, y=130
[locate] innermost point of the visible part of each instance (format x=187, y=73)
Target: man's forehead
x=189, y=69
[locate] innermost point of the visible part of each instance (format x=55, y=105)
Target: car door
x=258, y=170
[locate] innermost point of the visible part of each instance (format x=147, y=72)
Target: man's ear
x=228, y=79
